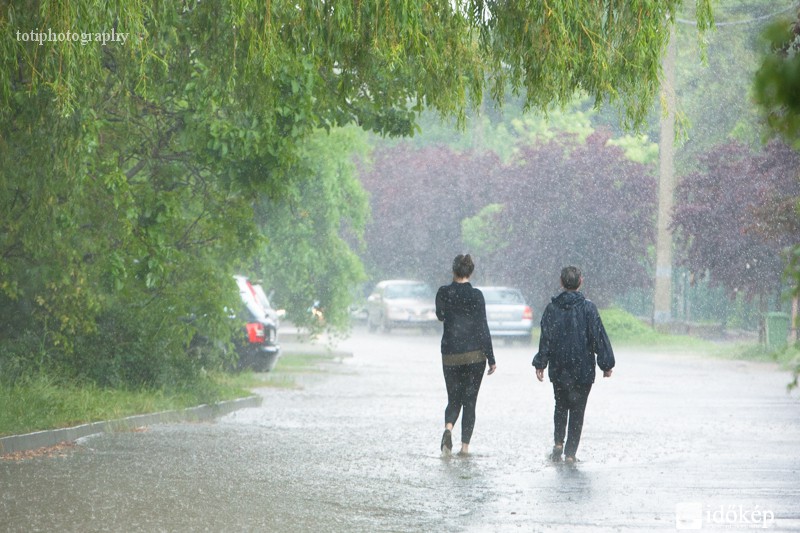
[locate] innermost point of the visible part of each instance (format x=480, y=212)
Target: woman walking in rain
x=466, y=348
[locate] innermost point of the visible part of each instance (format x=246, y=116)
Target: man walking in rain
x=572, y=334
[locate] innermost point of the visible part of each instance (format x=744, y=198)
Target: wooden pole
x=662, y=301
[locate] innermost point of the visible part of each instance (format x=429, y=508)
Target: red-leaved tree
x=582, y=204
x=564, y=201
x=736, y=218
x=418, y=198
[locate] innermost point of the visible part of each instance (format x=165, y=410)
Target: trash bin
x=777, y=329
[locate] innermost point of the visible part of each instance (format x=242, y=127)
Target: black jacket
x=463, y=311
x=572, y=333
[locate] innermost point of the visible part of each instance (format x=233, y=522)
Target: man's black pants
x=570, y=406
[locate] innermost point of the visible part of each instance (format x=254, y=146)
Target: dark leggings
x=463, y=383
x=570, y=403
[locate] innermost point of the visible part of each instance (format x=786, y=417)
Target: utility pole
x=662, y=301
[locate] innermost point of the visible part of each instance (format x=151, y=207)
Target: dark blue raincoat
x=572, y=334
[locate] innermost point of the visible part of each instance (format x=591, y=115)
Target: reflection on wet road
x=668, y=437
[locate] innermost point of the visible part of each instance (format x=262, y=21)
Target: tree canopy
x=130, y=169
x=777, y=82
x=361, y=61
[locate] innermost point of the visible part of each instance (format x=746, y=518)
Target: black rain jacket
x=572, y=333
x=463, y=310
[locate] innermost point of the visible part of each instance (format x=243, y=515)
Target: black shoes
x=447, y=441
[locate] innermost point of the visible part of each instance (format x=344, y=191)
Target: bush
x=23, y=356
x=136, y=348
x=622, y=326
x=130, y=349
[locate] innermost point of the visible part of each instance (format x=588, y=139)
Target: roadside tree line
x=573, y=200
x=136, y=178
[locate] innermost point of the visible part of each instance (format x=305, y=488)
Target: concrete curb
x=40, y=439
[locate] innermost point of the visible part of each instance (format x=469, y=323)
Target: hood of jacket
x=568, y=299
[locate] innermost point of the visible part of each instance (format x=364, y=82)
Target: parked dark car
x=508, y=315
x=257, y=344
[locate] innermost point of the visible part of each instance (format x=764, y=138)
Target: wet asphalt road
x=670, y=440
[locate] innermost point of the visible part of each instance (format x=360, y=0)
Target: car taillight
x=527, y=313
x=256, y=333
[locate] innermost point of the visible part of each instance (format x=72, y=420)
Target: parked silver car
x=401, y=303
x=508, y=315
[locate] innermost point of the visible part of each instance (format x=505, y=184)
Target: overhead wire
x=743, y=22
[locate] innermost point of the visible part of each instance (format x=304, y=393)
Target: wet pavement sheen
x=670, y=441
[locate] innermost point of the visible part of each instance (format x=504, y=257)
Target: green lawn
x=41, y=403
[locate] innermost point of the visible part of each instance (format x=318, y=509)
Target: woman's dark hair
x=571, y=278
x=463, y=266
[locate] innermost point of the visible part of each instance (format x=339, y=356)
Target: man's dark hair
x=571, y=278
x=463, y=266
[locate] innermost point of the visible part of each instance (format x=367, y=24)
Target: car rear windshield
x=502, y=296
x=408, y=291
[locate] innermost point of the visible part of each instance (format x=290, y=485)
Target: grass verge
x=787, y=357
x=284, y=375
x=41, y=403
x=626, y=330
